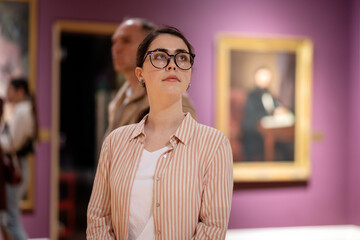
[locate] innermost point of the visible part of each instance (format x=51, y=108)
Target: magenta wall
x=354, y=120
x=328, y=23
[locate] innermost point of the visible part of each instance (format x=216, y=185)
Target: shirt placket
x=161, y=167
x=138, y=149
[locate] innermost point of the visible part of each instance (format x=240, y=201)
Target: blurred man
x=131, y=104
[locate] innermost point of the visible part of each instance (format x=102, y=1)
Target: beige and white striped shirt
x=193, y=184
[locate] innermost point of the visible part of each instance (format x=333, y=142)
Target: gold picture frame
x=28, y=201
x=18, y=33
x=271, y=143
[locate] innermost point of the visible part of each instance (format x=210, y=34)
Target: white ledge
x=340, y=232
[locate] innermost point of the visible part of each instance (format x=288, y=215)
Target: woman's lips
x=171, y=78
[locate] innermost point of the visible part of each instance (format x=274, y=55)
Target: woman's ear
x=139, y=73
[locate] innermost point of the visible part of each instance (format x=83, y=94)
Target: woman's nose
x=171, y=64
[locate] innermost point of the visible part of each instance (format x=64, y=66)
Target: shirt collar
x=183, y=133
x=139, y=129
x=186, y=129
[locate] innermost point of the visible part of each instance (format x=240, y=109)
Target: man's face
x=125, y=42
x=12, y=94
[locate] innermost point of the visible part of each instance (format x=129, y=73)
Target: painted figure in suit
x=259, y=104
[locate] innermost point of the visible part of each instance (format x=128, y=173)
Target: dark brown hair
x=144, y=45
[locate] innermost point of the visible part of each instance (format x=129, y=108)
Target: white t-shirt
x=141, y=223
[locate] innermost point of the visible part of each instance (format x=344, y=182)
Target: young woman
x=167, y=177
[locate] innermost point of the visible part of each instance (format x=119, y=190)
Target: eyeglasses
x=160, y=59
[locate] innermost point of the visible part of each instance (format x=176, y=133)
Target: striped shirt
x=192, y=189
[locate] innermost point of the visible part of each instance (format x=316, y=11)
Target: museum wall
x=332, y=191
x=354, y=119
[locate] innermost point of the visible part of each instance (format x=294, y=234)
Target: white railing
x=346, y=232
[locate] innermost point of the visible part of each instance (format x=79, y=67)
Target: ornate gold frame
x=28, y=202
x=299, y=169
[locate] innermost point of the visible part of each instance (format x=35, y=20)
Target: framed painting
x=263, y=105
x=17, y=58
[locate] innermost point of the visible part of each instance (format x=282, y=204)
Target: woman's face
x=170, y=80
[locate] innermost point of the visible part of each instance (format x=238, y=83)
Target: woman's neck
x=165, y=117
x=161, y=123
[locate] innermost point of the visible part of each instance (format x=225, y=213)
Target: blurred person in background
x=18, y=134
x=3, y=231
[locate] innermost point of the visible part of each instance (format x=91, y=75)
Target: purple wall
x=324, y=199
x=354, y=120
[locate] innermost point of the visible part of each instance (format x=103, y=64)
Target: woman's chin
x=174, y=88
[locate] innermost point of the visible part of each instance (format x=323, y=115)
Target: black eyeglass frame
x=148, y=53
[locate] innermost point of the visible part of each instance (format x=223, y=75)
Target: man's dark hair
x=20, y=83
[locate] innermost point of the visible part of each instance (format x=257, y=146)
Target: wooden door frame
x=58, y=28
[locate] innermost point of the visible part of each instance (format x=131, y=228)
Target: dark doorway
x=87, y=83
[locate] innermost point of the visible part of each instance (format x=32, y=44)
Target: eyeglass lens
x=160, y=59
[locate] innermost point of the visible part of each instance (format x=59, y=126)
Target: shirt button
x=158, y=204
x=165, y=156
x=159, y=232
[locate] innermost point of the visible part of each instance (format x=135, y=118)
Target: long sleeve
x=99, y=211
x=217, y=195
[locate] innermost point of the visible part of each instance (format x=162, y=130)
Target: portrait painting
x=263, y=105
x=17, y=59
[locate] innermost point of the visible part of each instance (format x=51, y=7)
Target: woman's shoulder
x=123, y=131
x=119, y=137
x=208, y=141
x=207, y=132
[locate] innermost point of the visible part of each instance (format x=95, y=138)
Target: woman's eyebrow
x=160, y=49
x=167, y=50
x=180, y=50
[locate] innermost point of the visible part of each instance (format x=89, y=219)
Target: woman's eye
x=182, y=57
x=159, y=56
